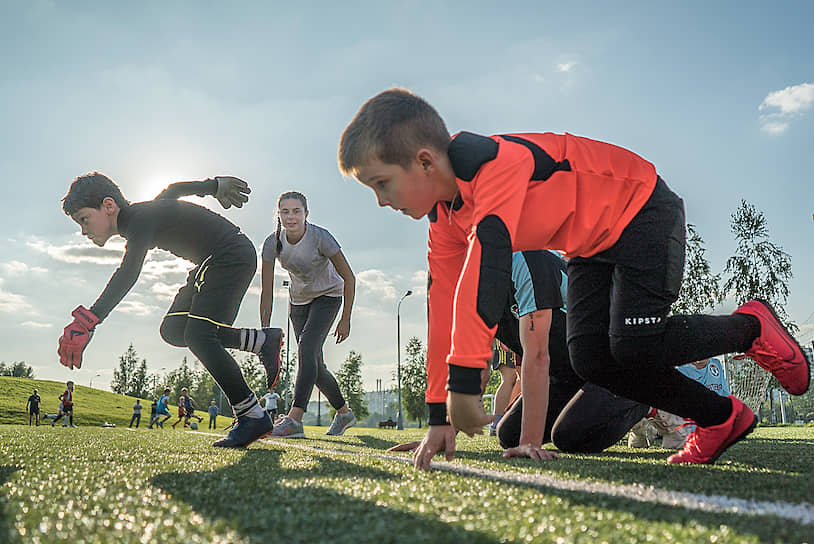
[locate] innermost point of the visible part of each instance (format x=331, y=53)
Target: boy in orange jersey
x=604, y=207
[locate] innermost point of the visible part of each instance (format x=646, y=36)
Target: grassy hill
x=92, y=407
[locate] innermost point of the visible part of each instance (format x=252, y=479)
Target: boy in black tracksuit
x=201, y=315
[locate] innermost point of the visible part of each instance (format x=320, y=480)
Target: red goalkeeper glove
x=76, y=336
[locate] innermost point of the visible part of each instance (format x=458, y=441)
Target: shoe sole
x=295, y=435
x=244, y=446
x=794, y=343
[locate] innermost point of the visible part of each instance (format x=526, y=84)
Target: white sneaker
x=642, y=435
x=340, y=423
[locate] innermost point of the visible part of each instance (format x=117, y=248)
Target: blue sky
x=720, y=96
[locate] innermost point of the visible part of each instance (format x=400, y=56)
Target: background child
x=201, y=315
x=213, y=415
x=153, y=412
x=136, y=414
x=605, y=208
x=32, y=405
x=321, y=282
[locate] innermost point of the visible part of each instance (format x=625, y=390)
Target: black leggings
x=207, y=305
x=311, y=323
x=579, y=420
x=619, y=334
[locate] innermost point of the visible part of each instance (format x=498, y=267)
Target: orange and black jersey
x=184, y=229
x=517, y=192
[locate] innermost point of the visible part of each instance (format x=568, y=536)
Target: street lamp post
x=90, y=385
x=398, y=351
x=287, y=352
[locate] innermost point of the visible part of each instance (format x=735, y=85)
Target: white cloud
x=12, y=302
x=35, y=325
x=791, y=100
x=780, y=107
x=774, y=127
x=136, y=308
x=565, y=66
x=377, y=283
x=80, y=252
x=17, y=268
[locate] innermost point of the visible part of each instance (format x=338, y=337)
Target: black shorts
x=34, y=411
x=67, y=409
x=628, y=289
x=215, y=288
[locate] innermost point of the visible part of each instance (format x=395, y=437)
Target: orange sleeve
x=497, y=194
x=447, y=250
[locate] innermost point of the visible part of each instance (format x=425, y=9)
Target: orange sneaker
x=776, y=350
x=706, y=444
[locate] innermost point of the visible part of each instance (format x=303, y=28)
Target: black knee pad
x=172, y=330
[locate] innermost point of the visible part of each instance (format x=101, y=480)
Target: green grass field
x=93, y=484
x=92, y=406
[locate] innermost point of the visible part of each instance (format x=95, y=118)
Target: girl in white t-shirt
x=321, y=282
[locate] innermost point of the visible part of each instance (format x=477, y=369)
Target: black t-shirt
x=34, y=402
x=184, y=229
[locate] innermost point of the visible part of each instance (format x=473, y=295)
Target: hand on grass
x=531, y=451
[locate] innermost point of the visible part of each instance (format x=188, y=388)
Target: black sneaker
x=270, y=354
x=247, y=430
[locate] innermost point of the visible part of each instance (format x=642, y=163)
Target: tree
x=16, y=370
x=700, y=288
x=123, y=376
x=181, y=377
x=759, y=268
x=414, y=381
x=253, y=372
x=349, y=379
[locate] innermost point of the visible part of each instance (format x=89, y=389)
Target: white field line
x=802, y=513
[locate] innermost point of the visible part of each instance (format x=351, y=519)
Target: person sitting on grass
x=202, y=313
x=605, y=208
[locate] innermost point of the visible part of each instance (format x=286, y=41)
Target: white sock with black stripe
x=251, y=340
x=249, y=408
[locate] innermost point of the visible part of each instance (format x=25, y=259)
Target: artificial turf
x=114, y=485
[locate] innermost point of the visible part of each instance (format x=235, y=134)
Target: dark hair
x=89, y=191
x=289, y=194
x=391, y=127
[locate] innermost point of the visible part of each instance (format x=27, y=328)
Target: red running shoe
x=706, y=444
x=776, y=350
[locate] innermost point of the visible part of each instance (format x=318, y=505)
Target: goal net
x=747, y=381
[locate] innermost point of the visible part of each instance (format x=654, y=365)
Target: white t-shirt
x=308, y=263
x=271, y=401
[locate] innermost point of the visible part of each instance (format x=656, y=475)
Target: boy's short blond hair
x=391, y=127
